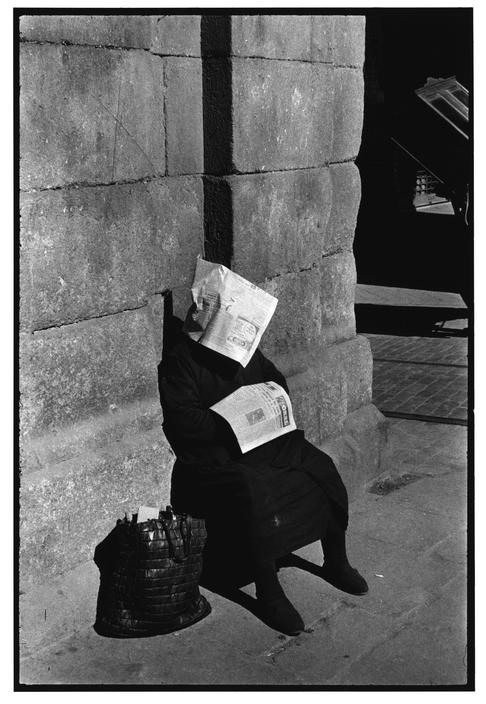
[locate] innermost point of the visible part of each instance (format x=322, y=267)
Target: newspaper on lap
x=229, y=314
x=257, y=413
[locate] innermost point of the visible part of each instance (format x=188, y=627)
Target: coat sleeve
x=271, y=373
x=185, y=417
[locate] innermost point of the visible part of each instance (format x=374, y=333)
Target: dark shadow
x=292, y=560
x=217, y=98
x=408, y=320
x=105, y=558
x=234, y=593
x=394, y=244
x=218, y=220
x=216, y=93
x=172, y=327
x=416, y=250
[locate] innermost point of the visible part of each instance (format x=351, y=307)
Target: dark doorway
x=396, y=243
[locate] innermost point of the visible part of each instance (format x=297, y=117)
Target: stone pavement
x=407, y=536
x=424, y=376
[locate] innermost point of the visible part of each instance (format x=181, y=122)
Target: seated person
x=278, y=496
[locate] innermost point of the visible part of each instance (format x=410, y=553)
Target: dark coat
x=275, y=498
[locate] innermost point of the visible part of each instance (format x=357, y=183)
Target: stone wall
x=286, y=96
x=111, y=219
x=146, y=140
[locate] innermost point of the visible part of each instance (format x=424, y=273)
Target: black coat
x=273, y=499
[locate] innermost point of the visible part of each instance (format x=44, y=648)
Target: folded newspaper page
x=257, y=413
x=230, y=314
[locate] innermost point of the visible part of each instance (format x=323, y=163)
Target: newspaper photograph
x=230, y=314
x=257, y=413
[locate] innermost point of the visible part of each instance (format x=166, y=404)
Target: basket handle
x=185, y=526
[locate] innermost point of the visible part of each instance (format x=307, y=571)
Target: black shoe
x=280, y=614
x=345, y=578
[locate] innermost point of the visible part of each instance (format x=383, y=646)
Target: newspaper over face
x=229, y=314
x=257, y=413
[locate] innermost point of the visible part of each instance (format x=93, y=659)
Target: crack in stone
x=77, y=321
x=119, y=122
x=164, y=108
x=314, y=265
x=288, y=641
x=121, y=182
x=116, y=130
x=324, y=165
x=110, y=47
x=259, y=57
x=159, y=176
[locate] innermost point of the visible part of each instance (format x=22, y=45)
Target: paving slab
x=424, y=376
x=321, y=657
x=395, y=296
x=395, y=661
x=410, y=629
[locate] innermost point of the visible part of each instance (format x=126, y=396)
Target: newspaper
x=229, y=313
x=257, y=413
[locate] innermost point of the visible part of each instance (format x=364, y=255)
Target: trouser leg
x=334, y=544
x=337, y=570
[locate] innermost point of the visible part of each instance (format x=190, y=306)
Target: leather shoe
x=281, y=615
x=345, y=578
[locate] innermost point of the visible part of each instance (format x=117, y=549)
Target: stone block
x=283, y=114
x=348, y=113
x=51, y=611
x=319, y=398
x=346, y=196
x=128, y=31
x=349, y=40
x=76, y=503
x=315, y=309
x=183, y=82
x=338, y=39
x=91, y=251
x=90, y=434
x=279, y=221
x=176, y=34
x=89, y=115
x=358, y=449
x=338, y=282
x=335, y=382
x=322, y=38
x=271, y=36
x=75, y=372
x=296, y=326
x=358, y=367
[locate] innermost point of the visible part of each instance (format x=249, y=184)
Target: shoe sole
x=342, y=589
